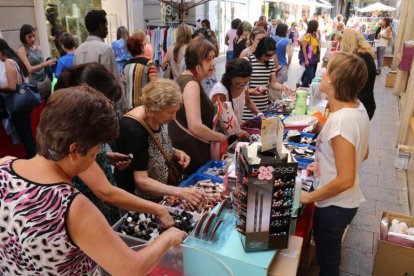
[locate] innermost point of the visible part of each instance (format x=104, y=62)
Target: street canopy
x=376, y=7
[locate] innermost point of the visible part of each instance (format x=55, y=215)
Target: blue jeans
x=329, y=224
x=22, y=123
x=229, y=56
x=380, y=56
x=308, y=75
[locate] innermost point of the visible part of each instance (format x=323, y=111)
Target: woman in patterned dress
x=148, y=172
x=47, y=227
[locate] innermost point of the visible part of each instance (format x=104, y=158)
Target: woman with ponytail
x=234, y=87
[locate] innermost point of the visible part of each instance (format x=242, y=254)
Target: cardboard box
x=286, y=261
x=387, y=61
x=390, y=80
x=265, y=185
x=392, y=258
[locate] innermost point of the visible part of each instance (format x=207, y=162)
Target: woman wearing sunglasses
x=233, y=88
x=263, y=76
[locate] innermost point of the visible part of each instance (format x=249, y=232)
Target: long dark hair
x=11, y=54
x=93, y=74
x=312, y=26
x=238, y=67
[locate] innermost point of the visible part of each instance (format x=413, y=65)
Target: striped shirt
x=260, y=77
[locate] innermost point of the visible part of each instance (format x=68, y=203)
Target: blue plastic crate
x=194, y=178
x=302, y=145
x=211, y=164
x=303, y=162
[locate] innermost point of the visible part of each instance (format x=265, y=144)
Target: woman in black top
x=354, y=42
x=239, y=43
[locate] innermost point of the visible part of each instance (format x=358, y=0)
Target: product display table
x=229, y=249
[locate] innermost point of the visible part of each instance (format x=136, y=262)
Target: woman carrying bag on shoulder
x=308, y=58
x=143, y=134
x=16, y=74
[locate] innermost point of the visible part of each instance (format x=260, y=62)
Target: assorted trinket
x=147, y=227
x=213, y=196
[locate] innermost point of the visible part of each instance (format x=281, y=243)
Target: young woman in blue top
x=283, y=50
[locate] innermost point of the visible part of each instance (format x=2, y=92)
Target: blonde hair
x=184, y=34
x=141, y=35
x=161, y=93
x=254, y=33
x=340, y=26
x=354, y=42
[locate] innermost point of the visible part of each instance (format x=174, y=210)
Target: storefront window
x=67, y=16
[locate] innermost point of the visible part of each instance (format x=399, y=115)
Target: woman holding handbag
x=309, y=54
x=16, y=73
x=143, y=134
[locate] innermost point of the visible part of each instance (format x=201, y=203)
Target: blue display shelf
x=211, y=164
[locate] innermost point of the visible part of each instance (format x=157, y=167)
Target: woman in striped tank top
x=263, y=76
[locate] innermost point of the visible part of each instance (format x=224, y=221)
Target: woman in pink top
x=228, y=40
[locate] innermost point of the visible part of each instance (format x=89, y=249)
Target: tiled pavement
x=384, y=187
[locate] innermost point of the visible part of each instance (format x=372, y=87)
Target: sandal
x=378, y=71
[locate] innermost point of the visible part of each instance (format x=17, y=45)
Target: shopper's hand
x=118, y=160
x=165, y=218
x=222, y=138
x=243, y=135
x=306, y=63
x=311, y=168
x=174, y=236
x=182, y=157
x=51, y=62
x=305, y=197
x=191, y=195
x=290, y=91
x=6, y=158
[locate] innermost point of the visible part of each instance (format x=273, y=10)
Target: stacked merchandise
x=264, y=198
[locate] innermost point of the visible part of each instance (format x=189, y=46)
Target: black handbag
x=24, y=99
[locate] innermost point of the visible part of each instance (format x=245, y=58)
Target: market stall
x=252, y=213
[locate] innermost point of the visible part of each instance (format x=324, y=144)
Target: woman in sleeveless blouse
x=192, y=131
x=50, y=228
x=33, y=59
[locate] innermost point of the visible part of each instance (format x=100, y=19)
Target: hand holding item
x=305, y=197
x=310, y=168
x=165, y=218
x=174, y=236
x=51, y=62
x=182, y=158
x=191, y=195
x=259, y=90
x=243, y=135
x=119, y=160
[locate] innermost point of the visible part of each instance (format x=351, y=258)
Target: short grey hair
x=161, y=93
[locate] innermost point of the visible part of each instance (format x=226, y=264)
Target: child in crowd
x=67, y=42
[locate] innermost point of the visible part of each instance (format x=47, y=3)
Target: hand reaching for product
x=174, y=236
x=191, y=195
x=165, y=218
